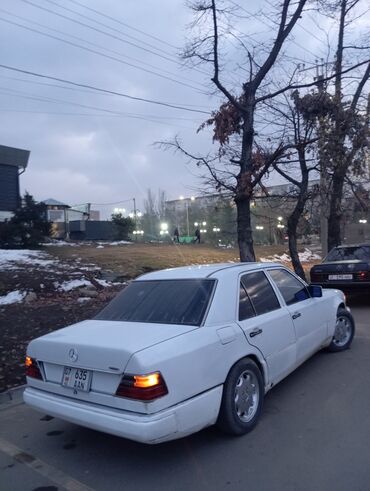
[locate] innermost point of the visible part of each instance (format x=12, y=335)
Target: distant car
x=182, y=349
x=345, y=267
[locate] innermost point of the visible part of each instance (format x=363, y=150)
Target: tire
x=344, y=332
x=239, y=416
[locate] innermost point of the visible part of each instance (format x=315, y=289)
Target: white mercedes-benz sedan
x=182, y=349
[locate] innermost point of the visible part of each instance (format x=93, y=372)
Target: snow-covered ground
x=60, y=243
x=305, y=257
x=27, y=271
x=12, y=297
x=11, y=259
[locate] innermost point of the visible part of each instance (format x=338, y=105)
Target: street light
x=204, y=224
x=119, y=210
x=192, y=198
x=280, y=219
x=196, y=224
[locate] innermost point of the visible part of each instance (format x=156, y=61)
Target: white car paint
x=194, y=361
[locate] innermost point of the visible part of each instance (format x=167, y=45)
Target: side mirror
x=315, y=290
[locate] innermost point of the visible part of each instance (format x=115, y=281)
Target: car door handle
x=255, y=332
x=296, y=315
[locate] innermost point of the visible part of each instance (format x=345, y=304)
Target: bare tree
x=347, y=136
x=296, y=166
x=246, y=163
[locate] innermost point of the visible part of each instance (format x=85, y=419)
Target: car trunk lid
x=101, y=345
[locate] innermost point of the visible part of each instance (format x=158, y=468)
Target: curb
x=12, y=396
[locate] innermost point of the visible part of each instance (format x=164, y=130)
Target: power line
x=93, y=44
x=269, y=26
x=124, y=24
x=109, y=27
x=172, y=60
x=100, y=54
x=36, y=97
x=99, y=89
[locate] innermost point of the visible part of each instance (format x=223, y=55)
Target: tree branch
x=311, y=84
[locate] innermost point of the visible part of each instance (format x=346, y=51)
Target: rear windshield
x=361, y=253
x=161, y=301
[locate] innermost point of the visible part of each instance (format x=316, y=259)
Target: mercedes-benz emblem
x=73, y=354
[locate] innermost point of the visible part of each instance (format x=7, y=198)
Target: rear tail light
x=32, y=368
x=315, y=277
x=363, y=275
x=142, y=387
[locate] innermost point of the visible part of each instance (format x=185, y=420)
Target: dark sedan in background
x=346, y=267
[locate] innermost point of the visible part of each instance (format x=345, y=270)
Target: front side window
x=290, y=287
x=260, y=292
x=161, y=301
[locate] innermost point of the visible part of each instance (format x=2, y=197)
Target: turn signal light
x=32, y=368
x=142, y=387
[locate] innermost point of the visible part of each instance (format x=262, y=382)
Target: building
x=13, y=162
x=60, y=215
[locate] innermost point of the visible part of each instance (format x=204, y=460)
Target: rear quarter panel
x=193, y=363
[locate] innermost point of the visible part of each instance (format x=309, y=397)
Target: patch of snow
x=304, y=257
x=100, y=247
x=12, y=297
x=308, y=255
x=11, y=259
x=83, y=299
x=104, y=283
x=67, y=286
x=60, y=243
x=119, y=242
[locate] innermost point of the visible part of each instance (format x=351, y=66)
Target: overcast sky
x=84, y=145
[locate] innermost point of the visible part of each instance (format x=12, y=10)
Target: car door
x=306, y=312
x=266, y=324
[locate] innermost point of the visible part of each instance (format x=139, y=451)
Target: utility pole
x=135, y=219
x=323, y=169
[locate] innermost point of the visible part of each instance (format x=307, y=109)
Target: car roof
x=204, y=270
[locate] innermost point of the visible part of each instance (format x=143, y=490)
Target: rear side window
x=291, y=289
x=260, y=292
x=161, y=301
x=246, y=309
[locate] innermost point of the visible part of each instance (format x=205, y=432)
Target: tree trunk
x=292, y=234
x=335, y=212
x=244, y=181
x=244, y=227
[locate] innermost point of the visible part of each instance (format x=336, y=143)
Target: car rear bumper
x=348, y=286
x=175, y=422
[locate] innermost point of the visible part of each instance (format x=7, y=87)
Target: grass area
x=131, y=260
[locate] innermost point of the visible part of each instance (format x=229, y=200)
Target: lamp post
x=186, y=201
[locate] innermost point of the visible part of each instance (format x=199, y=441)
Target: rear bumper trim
x=178, y=421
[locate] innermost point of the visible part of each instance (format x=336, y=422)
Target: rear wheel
x=344, y=331
x=242, y=398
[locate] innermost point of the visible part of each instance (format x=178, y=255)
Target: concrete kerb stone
x=12, y=396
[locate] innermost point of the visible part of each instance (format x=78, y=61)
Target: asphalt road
x=314, y=435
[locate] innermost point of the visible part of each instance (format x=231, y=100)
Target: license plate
x=77, y=378
x=340, y=277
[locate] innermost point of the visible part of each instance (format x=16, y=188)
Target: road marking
x=41, y=467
